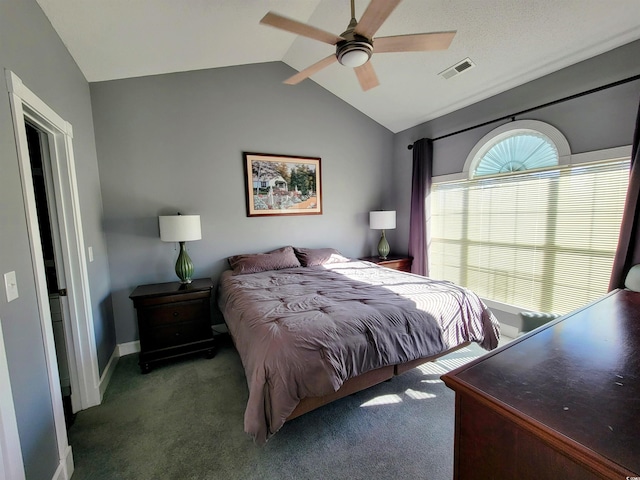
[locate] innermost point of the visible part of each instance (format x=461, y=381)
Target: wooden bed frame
x=364, y=381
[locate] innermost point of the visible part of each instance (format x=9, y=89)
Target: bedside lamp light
x=181, y=228
x=382, y=220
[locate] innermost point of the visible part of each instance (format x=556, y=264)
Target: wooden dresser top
x=579, y=377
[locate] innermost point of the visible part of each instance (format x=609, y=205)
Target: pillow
x=259, y=262
x=310, y=257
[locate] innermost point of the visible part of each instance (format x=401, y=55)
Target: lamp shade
x=382, y=220
x=180, y=228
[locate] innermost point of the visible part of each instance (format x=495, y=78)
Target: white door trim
x=26, y=105
x=11, y=465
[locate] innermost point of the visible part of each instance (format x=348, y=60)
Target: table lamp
x=181, y=228
x=382, y=220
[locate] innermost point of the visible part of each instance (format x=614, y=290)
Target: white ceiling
x=510, y=41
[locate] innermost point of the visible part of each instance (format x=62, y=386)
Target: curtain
x=420, y=209
x=628, y=251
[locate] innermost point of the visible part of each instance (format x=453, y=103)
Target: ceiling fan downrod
x=355, y=50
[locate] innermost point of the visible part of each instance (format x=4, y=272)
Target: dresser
x=173, y=320
x=397, y=262
x=562, y=402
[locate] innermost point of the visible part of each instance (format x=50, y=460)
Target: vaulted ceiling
x=510, y=42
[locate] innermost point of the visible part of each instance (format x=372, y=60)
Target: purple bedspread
x=301, y=332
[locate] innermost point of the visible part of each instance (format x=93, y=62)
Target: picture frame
x=280, y=185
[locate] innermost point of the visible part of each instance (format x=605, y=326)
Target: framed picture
x=282, y=185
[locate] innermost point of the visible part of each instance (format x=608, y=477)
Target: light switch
x=90, y=254
x=11, y=286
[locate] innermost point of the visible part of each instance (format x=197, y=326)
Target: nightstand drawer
x=175, y=312
x=177, y=334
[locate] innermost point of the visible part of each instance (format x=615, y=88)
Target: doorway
x=44, y=193
x=70, y=261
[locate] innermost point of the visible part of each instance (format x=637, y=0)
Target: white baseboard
x=128, y=348
x=65, y=467
x=121, y=350
x=108, y=372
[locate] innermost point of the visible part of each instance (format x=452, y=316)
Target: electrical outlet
x=90, y=254
x=11, y=286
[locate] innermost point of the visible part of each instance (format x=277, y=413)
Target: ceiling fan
x=356, y=44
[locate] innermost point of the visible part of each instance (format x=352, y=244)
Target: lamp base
x=383, y=247
x=184, y=265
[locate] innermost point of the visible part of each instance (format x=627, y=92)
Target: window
x=516, y=153
x=541, y=237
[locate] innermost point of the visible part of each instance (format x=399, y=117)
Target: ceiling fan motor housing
x=355, y=50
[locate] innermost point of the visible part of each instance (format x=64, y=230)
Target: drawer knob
x=175, y=314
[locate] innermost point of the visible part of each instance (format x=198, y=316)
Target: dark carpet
x=184, y=420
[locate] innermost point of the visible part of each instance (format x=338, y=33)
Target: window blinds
x=540, y=240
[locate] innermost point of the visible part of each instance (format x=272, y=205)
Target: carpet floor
x=184, y=420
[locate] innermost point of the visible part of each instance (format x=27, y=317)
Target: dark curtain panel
x=628, y=252
x=420, y=210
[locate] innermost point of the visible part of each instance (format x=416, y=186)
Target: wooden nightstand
x=173, y=320
x=396, y=262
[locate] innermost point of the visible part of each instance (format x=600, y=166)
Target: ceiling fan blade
x=293, y=26
x=419, y=42
x=374, y=16
x=367, y=76
x=307, y=72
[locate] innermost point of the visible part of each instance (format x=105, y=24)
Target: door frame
x=83, y=359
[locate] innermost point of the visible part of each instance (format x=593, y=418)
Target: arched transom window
x=516, y=147
x=523, y=150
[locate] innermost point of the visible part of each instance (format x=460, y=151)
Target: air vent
x=458, y=68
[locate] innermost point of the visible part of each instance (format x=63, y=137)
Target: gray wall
x=597, y=121
x=30, y=48
x=172, y=143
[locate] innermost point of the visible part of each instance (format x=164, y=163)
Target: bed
x=312, y=326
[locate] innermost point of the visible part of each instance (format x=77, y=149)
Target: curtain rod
x=522, y=112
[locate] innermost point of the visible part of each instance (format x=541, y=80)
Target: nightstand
x=396, y=262
x=173, y=320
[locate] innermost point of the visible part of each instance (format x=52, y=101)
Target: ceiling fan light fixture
x=354, y=58
x=354, y=54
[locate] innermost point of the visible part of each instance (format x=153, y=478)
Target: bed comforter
x=301, y=332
